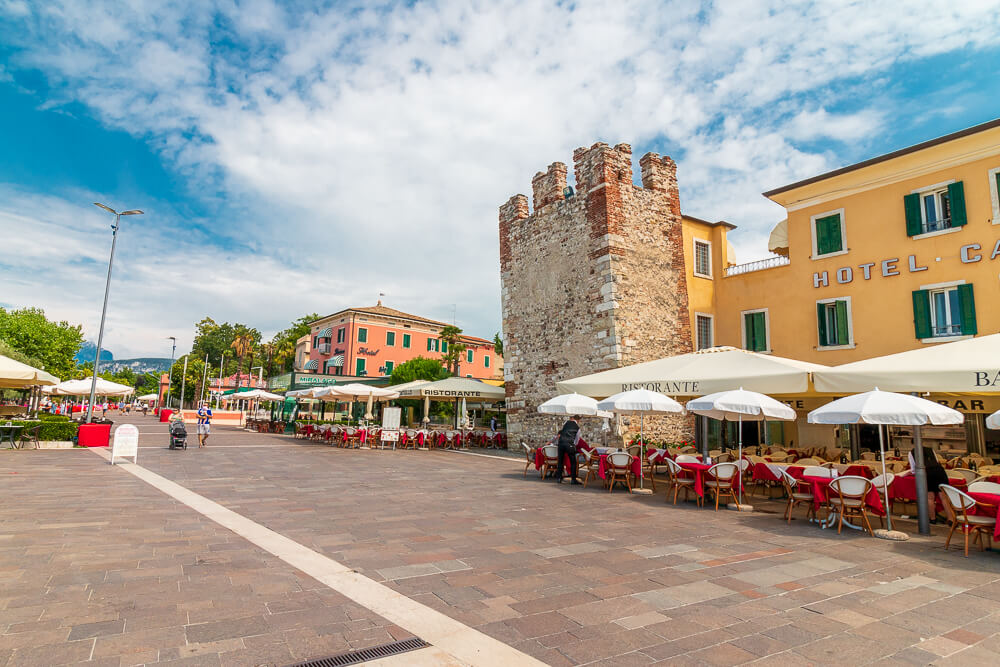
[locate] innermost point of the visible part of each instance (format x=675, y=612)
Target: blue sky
x=299, y=157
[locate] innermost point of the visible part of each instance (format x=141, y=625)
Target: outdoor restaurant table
x=9, y=432
x=820, y=496
x=697, y=470
x=636, y=466
x=988, y=499
x=540, y=457
x=904, y=489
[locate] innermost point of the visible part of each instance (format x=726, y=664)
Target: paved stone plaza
x=100, y=566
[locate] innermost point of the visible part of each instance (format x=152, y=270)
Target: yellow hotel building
x=891, y=254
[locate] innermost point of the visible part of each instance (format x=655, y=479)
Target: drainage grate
x=355, y=657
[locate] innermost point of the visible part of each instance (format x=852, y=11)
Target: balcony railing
x=759, y=265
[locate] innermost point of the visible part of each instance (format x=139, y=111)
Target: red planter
x=165, y=415
x=94, y=435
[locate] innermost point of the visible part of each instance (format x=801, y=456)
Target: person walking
x=204, y=424
x=569, y=436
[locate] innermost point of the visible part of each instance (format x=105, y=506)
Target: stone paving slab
x=568, y=575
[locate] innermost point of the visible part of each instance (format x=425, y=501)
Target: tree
x=242, y=345
x=452, y=336
x=418, y=368
x=284, y=341
x=54, y=344
x=191, y=381
x=498, y=343
x=7, y=350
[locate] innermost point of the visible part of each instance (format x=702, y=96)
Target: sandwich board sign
x=126, y=444
x=390, y=425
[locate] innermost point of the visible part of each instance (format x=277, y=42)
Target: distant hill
x=88, y=351
x=140, y=364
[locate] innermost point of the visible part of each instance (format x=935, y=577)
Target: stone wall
x=591, y=282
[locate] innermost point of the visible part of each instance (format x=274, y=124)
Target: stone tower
x=591, y=281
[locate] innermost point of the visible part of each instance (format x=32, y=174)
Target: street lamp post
x=170, y=376
x=104, y=310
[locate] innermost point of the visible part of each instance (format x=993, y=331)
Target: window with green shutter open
x=935, y=210
x=829, y=234
x=945, y=311
x=755, y=331
x=833, y=323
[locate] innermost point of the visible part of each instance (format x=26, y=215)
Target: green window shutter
x=359, y=366
x=956, y=197
x=914, y=222
x=828, y=235
x=390, y=338
x=468, y=356
x=362, y=335
x=821, y=322
x=821, y=239
x=406, y=340
x=430, y=344
x=760, y=332
x=444, y=346
x=486, y=361
x=748, y=330
x=968, y=305
x=843, y=330
x=388, y=367
x=922, y=313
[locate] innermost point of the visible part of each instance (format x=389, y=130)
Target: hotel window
x=703, y=331
x=833, y=320
x=702, y=258
x=468, y=356
x=948, y=310
x=359, y=367
x=935, y=208
x=390, y=338
x=433, y=344
x=486, y=360
x=828, y=234
x=362, y=335
x=406, y=340
x=755, y=334
x=341, y=334
x=388, y=367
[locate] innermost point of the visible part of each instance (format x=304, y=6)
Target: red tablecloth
x=636, y=466
x=989, y=499
x=859, y=470
x=696, y=470
x=540, y=460
x=819, y=489
x=760, y=471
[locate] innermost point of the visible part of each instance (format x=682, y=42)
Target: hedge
x=51, y=430
x=46, y=417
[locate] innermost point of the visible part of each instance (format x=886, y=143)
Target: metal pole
x=218, y=400
x=885, y=482
x=920, y=477
x=183, y=381
x=170, y=377
x=104, y=312
x=204, y=381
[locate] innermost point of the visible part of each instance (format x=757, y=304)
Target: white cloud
x=376, y=142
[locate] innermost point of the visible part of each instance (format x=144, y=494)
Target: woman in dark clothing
x=936, y=476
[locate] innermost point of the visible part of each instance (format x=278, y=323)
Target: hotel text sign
x=968, y=254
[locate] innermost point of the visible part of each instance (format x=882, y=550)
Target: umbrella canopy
x=454, y=388
x=14, y=374
x=885, y=407
x=82, y=388
x=640, y=401
x=260, y=395
x=572, y=404
x=354, y=391
x=967, y=366
x=705, y=371
x=993, y=421
x=301, y=393
x=148, y=397
x=740, y=404
x=408, y=385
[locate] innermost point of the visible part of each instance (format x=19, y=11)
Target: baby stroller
x=178, y=434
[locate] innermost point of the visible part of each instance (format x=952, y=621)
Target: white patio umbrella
x=735, y=406
x=885, y=407
x=148, y=397
x=82, y=388
x=352, y=392
x=573, y=404
x=993, y=421
x=15, y=374
x=640, y=402
x=261, y=395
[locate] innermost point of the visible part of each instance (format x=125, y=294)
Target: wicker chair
x=551, y=460
x=721, y=482
x=591, y=465
x=678, y=483
x=796, y=497
x=529, y=455
x=957, y=505
x=878, y=483
x=29, y=436
x=848, y=494
x=687, y=458
x=619, y=467
x=964, y=473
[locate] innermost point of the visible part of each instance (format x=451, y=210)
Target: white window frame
x=843, y=233
x=711, y=329
x=994, y=195
x=850, y=325
x=767, y=328
x=921, y=193
x=936, y=287
x=694, y=263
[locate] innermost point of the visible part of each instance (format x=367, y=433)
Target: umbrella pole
x=885, y=485
x=920, y=478
x=739, y=461
x=641, y=450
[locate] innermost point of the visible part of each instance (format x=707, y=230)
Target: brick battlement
x=592, y=281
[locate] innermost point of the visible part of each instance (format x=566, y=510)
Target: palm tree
x=452, y=336
x=243, y=345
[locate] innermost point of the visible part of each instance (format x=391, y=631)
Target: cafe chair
x=819, y=471
x=720, y=481
x=964, y=473
x=877, y=484
x=796, y=497
x=30, y=436
x=957, y=505
x=982, y=486
x=591, y=466
x=808, y=461
x=550, y=462
x=678, y=483
x=848, y=493
x=618, y=468
x=529, y=455
x=687, y=458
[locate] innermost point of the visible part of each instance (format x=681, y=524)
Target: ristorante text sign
x=664, y=386
x=970, y=253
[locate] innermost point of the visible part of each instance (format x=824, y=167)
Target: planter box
x=94, y=435
x=165, y=415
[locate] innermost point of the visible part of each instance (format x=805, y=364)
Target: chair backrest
x=818, y=471
x=779, y=456
x=883, y=481
x=714, y=453
x=620, y=460
x=673, y=468
x=687, y=458
x=550, y=452
x=964, y=473
x=787, y=481
x=808, y=461
x=985, y=487
x=724, y=457
x=850, y=486
x=723, y=471
x=527, y=450
x=688, y=449
x=744, y=464
x=956, y=500
x=867, y=456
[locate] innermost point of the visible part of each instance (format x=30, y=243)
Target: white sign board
x=390, y=425
x=126, y=444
